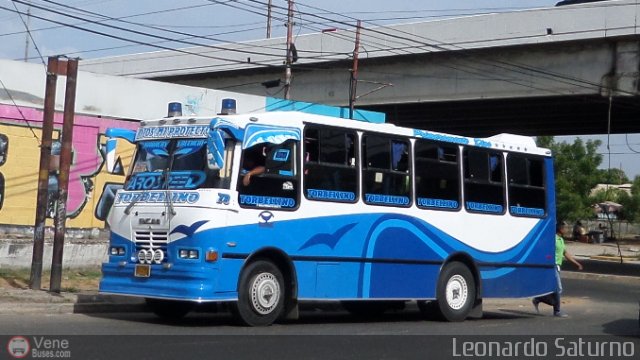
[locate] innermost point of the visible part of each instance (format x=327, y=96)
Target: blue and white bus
x=264, y=211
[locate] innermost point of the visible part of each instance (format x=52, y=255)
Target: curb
x=35, y=301
x=595, y=276
x=69, y=308
x=613, y=268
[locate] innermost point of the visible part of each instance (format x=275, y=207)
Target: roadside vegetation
x=73, y=280
x=576, y=171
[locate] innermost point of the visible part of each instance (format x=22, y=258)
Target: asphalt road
x=600, y=308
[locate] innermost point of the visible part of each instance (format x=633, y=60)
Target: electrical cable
x=33, y=41
x=137, y=41
x=552, y=76
x=24, y=118
x=439, y=46
x=112, y=27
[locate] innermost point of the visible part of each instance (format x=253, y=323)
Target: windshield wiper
x=166, y=182
x=168, y=192
x=127, y=210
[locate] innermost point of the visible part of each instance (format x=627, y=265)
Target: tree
x=631, y=203
x=614, y=176
x=576, y=172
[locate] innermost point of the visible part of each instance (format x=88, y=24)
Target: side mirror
x=110, y=157
x=106, y=200
x=113, y=164
x=219, y=129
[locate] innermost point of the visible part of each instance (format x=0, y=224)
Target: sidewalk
x=599, y=260
x=23, y=301
x=606, y=251
x=605, y=258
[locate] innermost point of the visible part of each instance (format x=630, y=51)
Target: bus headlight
x=158, y=256
x=116, y=251
x=190, y=254
x=145, y=256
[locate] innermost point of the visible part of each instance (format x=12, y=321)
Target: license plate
x=142, y=270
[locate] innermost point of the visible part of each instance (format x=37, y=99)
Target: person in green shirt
x=553, y=299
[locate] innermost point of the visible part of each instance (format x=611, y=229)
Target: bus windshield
x=177, y=164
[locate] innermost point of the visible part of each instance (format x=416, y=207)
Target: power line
x=550, y=75
x=170, y=39
x=163, y=29
x=136, y=41
x=140, y=32
x=24, y=118
x=171, y=10
x=134, y=45
x=523, y=69
x=33, y=41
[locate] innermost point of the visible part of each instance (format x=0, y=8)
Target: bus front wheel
x=456, y=292
x=261, y=294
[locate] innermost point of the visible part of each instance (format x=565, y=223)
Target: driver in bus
x=253, y=164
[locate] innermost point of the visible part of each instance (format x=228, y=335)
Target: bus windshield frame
x=177, y=164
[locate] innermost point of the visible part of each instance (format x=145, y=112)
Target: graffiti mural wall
x=20, y=158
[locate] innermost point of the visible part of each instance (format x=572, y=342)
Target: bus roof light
x=228, y=107
x=175, y=109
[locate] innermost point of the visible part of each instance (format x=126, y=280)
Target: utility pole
x=53, y=69
x=354, y=72
x=65, y=165
x=26, y=38
x=269, y=20
x=289, y=60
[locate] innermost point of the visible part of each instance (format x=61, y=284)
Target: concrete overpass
x=555, y=71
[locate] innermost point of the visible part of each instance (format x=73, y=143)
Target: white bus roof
x=506, y=142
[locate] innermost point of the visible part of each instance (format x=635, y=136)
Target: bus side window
x=483, y=185
x=273, y=182
x=330, y=172
x=437, y=175
x=386, y=177
x=527, y=195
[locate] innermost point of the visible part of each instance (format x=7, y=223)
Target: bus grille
x=152, y=240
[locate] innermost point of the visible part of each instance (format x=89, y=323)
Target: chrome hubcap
x=265, y=293
x=457, y=292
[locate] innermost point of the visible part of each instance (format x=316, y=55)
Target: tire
x=456, y=292
x=170, y=309
x=261, y=294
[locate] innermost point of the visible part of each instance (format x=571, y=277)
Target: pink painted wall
x=86, y=161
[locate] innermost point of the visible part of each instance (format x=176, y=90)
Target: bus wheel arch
x=277, y=272
x=458, y=289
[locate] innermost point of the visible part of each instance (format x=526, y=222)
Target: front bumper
x=179, y=282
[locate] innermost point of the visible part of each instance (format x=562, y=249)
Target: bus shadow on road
x=212, y=318
x=508, y=314
x=622, y=327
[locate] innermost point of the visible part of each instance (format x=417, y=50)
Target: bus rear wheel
x=456, y=292
x=261, y=294
x=169, y=309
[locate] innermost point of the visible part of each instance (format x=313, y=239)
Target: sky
x=223, y=20
x=230, y=21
